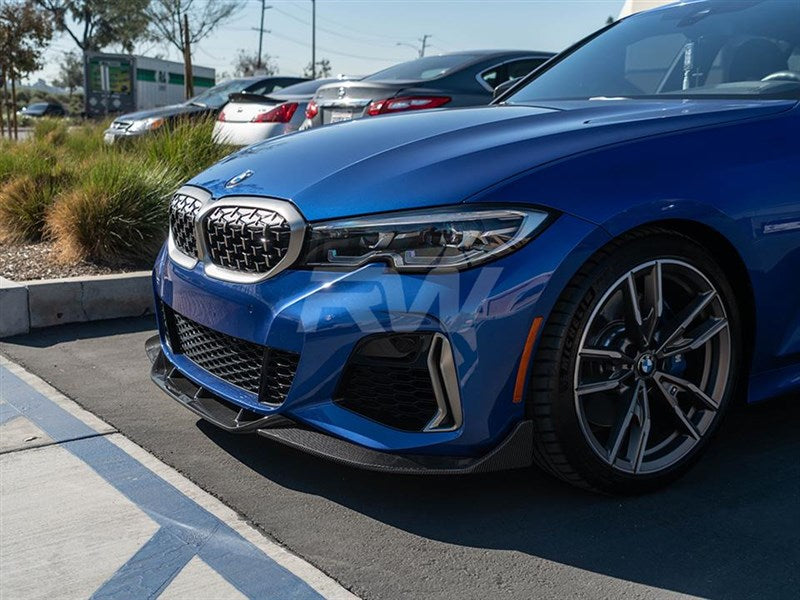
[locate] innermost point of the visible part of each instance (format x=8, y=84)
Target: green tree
x=70, y=73
x=24, y=33
x=95, y=24
x=247, y=64
x=183, y=23
x=323, y=69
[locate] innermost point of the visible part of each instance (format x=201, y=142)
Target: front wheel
x=636, y=365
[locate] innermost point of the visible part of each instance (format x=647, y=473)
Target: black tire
x=561, y=446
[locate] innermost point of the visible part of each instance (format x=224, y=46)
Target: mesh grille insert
x=390, y=384
x=258, y=369
x=182, y=212
x=279, y=373
x=250, y=240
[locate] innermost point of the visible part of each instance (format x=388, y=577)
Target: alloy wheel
x=652, y=367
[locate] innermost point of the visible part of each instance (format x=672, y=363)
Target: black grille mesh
x=278, y=375
x=251, y=240
x=182, y=212
x=234, y=360
x=393, y=390
x=400, y=397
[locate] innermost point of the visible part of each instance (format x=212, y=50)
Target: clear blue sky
x=360, y=37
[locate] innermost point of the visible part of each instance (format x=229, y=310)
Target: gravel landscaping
x=37, y=261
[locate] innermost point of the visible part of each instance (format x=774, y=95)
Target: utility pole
x=313, y=39
x=264, y=7
x=187, y=59
x=424, y=41
x=2, y=101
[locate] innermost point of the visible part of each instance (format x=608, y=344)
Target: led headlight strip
x=447, y=238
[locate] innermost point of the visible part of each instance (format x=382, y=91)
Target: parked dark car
x=456, y=79
x=43, y=109
x=206, y=104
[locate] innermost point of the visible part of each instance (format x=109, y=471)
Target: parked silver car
x=208, y=103
x=249, y=118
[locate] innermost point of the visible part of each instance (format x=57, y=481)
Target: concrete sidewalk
x=87, y=513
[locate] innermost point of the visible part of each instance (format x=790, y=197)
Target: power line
x=211, y=56
x=336, y=52
x=349, y=27
x=336, y=33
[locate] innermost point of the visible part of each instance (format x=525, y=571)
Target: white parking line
x=102, y=517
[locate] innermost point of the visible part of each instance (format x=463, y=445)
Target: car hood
x=163, y=111
x=433, y=158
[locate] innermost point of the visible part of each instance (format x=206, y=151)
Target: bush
x=86, y=140
x=11, y=161
x=116, y=213
x=23, y=158
x=100, y=203
x=23, y=204
x=30, y=180
x=50, y=131
x=185, y=146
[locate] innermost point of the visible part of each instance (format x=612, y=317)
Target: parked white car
x=250, y=118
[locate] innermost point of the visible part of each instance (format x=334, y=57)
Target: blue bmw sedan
x=585, y=275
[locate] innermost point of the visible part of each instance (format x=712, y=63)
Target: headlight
x=450, y=238
x=146, y=124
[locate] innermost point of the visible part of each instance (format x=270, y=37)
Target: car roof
x=494, y=52
x=255, y=78
x=472, y=58
x=479, y=56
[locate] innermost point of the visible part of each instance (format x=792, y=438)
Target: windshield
x=217, y=96
x=38, y=107
x=422, y=69
x=714, y=49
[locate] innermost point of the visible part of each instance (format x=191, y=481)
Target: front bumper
x=485, y=314
x=246, y=133
x=113, y=136
x=514, y=452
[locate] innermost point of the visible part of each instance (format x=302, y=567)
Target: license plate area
x=339, y=115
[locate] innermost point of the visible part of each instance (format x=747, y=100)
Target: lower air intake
x=258, y=369
x=404, y=381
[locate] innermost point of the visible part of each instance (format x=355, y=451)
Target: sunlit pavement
x=87, y=513
x=730, y=529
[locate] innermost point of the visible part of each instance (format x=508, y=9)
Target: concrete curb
x=28, y=305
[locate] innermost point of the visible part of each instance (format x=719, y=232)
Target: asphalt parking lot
x=730, y=529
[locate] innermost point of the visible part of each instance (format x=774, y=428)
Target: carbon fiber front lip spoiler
x=200, y=401
x=516, y=451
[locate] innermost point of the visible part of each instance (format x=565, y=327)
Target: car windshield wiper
x=200, y=104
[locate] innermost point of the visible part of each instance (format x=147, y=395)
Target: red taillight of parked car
x=282, y=113
x=393, y=105
x=221, y=116
x=312, y=110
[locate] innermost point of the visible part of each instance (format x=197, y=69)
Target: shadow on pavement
x=729, y=529
x=50, y=336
